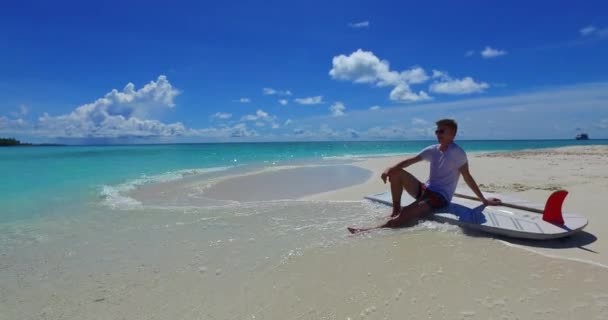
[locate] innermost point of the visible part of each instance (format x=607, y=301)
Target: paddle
x=506, y=204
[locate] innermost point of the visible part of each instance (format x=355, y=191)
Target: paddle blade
x=553, y=208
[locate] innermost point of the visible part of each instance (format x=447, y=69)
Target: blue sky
x=80, y=72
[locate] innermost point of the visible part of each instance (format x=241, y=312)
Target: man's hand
x=386, y=173
x=491, y=202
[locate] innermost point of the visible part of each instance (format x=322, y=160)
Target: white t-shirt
x=445, y=167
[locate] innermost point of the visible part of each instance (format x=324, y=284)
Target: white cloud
x=238, y=131
x=359, y=25
x=592, y=31
x=221, y=115
x=337, y=109
x=489, y=53
x=22, y=112
x=283, y=102
x=114, y=116
x=310, y=100
x=415, y=75
x=579, y=106
x=300, y=132
x=260, y=114
x=7, y=124
x=271, y=92
x=391, y=132
x=244, y=100
x=404, y=93
x=354, y=134
x=465, y=85
x=469, y=53
x=419, y=122
x=125, y=115
x=364, y=67
x=287, y=122
x=118, y=114
x=373, y=108
x=587, y=30
x=439, y=74
x=261, y=118
x=603, y=124
x=68, y=126
x=324, y=132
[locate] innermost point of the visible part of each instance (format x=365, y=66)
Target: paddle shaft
x=506, y=204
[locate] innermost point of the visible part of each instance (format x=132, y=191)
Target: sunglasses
x=440, y=131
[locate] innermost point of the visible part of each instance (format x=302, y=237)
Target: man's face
x=444, y=134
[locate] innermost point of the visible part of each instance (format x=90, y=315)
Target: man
x=448, y=161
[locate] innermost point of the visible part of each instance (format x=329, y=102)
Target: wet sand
x=274, y=183
x=288, y=184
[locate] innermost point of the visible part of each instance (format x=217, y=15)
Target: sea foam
x=114, y=196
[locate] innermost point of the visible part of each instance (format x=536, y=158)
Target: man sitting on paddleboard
x=448, y=161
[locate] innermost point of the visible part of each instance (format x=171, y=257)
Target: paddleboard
x=502, y=220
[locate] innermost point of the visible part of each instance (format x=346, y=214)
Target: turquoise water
x=40, y=180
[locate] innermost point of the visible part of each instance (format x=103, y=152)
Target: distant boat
x=582, y=136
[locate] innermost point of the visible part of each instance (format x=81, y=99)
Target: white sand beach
x=254, y=250
x=530, y=175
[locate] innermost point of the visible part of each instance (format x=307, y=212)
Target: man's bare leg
x=407, y=215
x=401, y=179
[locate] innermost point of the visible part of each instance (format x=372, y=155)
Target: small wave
x=437, y=226
x=362, y=156
x=554, y=256
x=345, y=157
x=115, y=198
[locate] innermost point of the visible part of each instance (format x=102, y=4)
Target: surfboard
x=520, y=219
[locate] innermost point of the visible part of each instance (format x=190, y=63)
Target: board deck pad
x=516, y=223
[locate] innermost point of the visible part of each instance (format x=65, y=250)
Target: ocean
x=37, y=181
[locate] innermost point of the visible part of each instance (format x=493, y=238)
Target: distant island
x=9, y=142
x=12, y=142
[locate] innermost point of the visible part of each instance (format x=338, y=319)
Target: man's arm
x=403, y=164
x=407, y=162
x=468, y=178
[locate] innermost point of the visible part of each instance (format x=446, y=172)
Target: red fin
x=553, y=208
